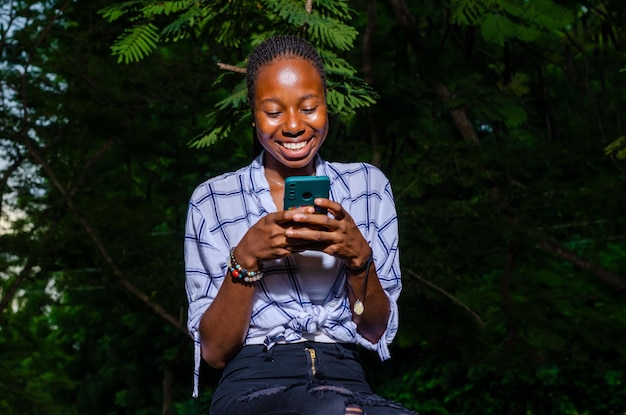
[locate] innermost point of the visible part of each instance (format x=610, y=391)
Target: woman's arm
x=225, y=323
x=372, y=323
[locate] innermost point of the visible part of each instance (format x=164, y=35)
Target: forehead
x=288, y=71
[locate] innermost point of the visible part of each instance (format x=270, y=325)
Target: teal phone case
x=302, y=191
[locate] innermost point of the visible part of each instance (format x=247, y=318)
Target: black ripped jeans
x=298, y=379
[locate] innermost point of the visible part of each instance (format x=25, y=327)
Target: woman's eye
x=308, y=110
x=273, y=114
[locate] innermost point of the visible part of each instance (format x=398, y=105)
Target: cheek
x=265, y=128
x=322, y=125
x=319, y=121
x=262, y=135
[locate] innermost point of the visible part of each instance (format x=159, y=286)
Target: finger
x=308, y=235
x=285, y=217
x=289, y=214
x=314, y=221
x=302, y=245
x=278, y=218
x=335, y=208
x=295, y=245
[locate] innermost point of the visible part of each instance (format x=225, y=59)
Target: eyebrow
x=277, y=101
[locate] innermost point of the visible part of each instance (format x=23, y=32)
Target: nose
x=293, y=125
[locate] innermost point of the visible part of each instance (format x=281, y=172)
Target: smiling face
x=290, y=115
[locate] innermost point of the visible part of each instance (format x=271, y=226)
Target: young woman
x=279, y=299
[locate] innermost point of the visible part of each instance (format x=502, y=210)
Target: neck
x=278, y=172
x=273, y=181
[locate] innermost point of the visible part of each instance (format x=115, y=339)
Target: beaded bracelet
x=237, y=271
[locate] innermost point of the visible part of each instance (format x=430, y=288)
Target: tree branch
x=144, y=298
x=458, y=114
x=440, y=290
x=542, y=241
x=616, y=281
x=233, y=68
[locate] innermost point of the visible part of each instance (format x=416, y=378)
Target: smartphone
x=303, y=190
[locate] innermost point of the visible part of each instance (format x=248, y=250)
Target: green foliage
x=512, y=246
x=617, y=148
x=229, y=112
x=325, y=30
x=33, y=367
x=136, y=43
x=102, y=187
x=346, y=93
x=502, y=20
x=454, y=389
x=326, y=26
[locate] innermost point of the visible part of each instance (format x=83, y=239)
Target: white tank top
x=317, y=272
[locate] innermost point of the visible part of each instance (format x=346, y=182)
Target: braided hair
x=280, y=46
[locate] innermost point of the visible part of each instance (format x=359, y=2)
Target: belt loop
x=269, y=354
x=340, y=354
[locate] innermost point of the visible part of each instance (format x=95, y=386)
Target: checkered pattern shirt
x=222, y=209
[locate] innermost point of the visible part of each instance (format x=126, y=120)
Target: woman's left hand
x=337, y=235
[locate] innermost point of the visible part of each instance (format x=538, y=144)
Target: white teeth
x=294, y=146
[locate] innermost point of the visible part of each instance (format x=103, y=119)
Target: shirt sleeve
x=205, y=267
x=381, y=231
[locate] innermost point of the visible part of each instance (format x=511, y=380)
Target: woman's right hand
x=267, y=239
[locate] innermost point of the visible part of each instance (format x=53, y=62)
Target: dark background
x=499, y=123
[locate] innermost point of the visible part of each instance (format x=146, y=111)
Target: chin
x=298, y=165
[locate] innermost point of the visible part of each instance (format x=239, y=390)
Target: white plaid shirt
x=223, y=208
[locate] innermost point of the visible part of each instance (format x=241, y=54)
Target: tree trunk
x=368, y=58
x=459, y=114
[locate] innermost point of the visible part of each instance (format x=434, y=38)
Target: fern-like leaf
x=336, y=66
x=179, y=28
x=114, y=12
x=500, y=20
x=326, y=30
x=210, y=137
x=166, y=7
x=331, y=32
x=220, y=125
x=238, y=99
x=135, y=43
x=617, y=148
x=337, y=8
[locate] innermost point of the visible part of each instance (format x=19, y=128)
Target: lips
x=296, y=149
x=294, y=146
